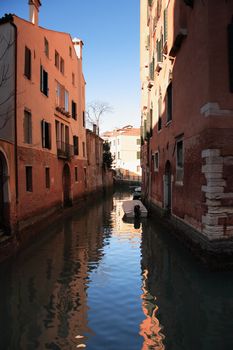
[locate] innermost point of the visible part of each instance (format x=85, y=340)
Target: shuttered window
x=57, y=59
x=43, y=81
x=27, y=63
x=76, y=145
x=76, y=173
x=46, y=134
x=47, y=177
x=28, y=170
x=74, y=110
x=27, y=126
x=84, y=121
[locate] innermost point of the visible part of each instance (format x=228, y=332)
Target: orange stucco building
x=43, y=157
x=187, y=116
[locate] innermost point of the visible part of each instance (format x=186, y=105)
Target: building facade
x=125, y=149
x=186, y=67
x=42, y=116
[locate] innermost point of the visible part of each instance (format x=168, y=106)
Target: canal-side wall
x=215, y=253
x=26, y=230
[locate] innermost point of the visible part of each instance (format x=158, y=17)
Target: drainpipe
x=15, y=120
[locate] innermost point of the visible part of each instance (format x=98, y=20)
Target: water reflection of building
x=150, y=328
x=47, y=290
x=123, y=229
x=194, y=304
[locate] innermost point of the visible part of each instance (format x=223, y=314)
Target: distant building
x=43, y=155
x=125, y=148
x=187, y=114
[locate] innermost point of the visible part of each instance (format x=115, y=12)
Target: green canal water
x=92, y=281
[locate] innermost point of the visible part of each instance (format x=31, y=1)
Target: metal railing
x=64, y=150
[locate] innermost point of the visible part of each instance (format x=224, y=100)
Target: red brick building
x=187, y=114
x=43, y=156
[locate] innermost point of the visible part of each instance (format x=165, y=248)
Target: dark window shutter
x=49, y=135
x=45, y=82
x=43, y=133
x=230, y=55
x=27, y=63
x=76, y=145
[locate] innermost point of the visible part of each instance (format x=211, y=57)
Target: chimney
x=34, y=6
x=94, y=128
x=78, y=44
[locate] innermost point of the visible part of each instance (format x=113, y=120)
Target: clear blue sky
x=110, y=32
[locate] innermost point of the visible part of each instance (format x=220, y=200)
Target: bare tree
x=95, y=111
x=6, y=80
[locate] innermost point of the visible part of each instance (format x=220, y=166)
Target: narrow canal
x=96, y=282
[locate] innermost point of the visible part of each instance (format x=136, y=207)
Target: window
x=138, y=141
x=160, y=113
x=74, y=109
x=46, y=134
x=156, y=161
x=118, y=155
x=76, y=145
x=66, y=101
x=151, y=121
x=27, y=126
x=43, y=81
x=138, y=155
x=159, y=48
x=62, y=66
x=179, y=160
x=169, y=102
x=47, y=177
x=57, y=130
x=46, y=47
x=159, y=124
x=28, y=178
x=57, y=59
x=84, y=121
x=27, y=63
x=76, y=174
x=84, y=153
x=70, y=51
x=165, y=25
x=73, y=79
x=58, y=93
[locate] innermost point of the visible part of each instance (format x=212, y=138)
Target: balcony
x=64, y=150
x=63, y=111
x=178, y=40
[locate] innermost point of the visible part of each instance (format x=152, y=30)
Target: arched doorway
x=4, y=194
x=168, y=187
x=66, y=181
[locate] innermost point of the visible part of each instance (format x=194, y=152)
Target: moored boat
x=134, y=208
